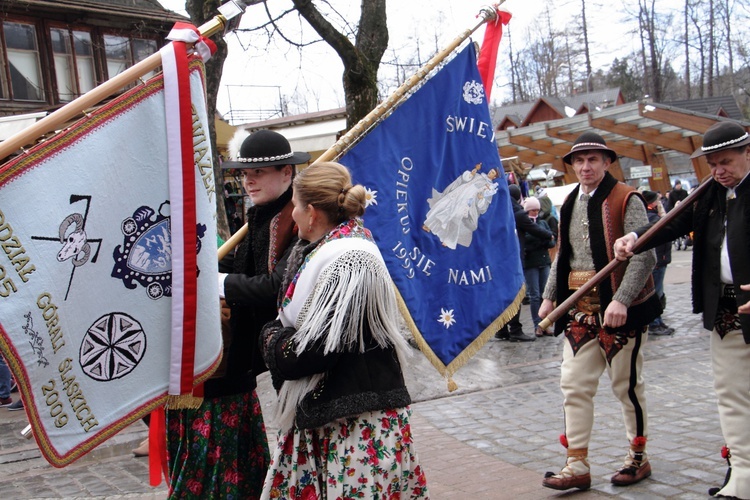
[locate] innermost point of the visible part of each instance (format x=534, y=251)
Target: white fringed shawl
x=342, y=286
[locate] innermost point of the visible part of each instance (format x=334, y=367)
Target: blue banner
x=440, y=211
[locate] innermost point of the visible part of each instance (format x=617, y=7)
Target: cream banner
x=86, y=270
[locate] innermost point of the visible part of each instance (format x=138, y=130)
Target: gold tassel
x=183, y=402
x=452, y=386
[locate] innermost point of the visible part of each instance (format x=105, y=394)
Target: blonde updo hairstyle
x=327, y=186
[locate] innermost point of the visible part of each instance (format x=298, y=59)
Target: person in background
x=605, y=329
x=335, y=355
x=548, y=213
x=720, y=220
x=536, y=263
x=663, y=258
x=676, y=195
x=220, y=450
x=513, y=330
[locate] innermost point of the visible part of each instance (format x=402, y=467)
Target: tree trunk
x=361, y=60
x=687, y=48
x=711, y=48
x=589, y=83
x=201, y=11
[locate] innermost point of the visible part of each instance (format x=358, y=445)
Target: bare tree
x=584, y=27
x=687, y=46
x=711, y=48
x=361, y=59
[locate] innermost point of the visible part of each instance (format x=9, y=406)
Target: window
x=22, y=53
x=123, y=52
x=117, y=50
x=74, y=63
x=143, y=48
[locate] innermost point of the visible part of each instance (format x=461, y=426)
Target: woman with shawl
x=335, y=356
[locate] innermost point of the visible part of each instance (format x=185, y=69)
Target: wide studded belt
x=589, y=303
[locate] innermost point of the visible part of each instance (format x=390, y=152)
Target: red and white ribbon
x=186, y=32
x=182, y=193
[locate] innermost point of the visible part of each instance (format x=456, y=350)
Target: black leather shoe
x=520, y=337
x=502, y=334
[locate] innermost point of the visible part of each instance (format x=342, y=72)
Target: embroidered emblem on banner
x=112, y=347
x=76, y=245
x=145, y=257
x=473, y=92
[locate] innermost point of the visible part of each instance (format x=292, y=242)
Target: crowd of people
x=308, y=298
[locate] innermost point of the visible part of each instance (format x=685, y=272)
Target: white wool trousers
x=579, y=382
x=730, y=358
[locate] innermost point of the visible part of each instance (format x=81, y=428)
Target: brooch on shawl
x=353, y=228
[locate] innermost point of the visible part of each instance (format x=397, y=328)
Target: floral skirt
x=368, y=456
x=219, y=450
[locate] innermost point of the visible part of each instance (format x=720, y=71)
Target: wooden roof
x=642, y=131
x=84, y=10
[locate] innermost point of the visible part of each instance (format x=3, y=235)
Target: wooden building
x=52, y=51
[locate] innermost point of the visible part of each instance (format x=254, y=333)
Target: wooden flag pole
x=351, y=137
x=78, y=106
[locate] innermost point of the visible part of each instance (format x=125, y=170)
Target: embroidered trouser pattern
x=730, y=358
x=584, y=361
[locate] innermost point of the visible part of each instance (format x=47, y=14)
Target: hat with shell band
x=265, y=148
x=721, y=136
x=588, y=141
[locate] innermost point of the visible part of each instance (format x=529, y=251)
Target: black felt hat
x=265, y=148
x=721, y=136
x=650, y=196
x=588, y=141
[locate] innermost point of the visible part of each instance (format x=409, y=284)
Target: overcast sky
x=254, y=75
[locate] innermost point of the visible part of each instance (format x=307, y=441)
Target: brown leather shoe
x=631, y=475
x=558, y=482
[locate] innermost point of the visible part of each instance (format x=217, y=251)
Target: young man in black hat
x=220, y=449
x=605, y=330
x=720, y=221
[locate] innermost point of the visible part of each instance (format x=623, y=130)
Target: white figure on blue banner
x=454, y=213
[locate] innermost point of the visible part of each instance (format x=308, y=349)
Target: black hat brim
x=296, y=158
x=611, y=153
x=699, y=152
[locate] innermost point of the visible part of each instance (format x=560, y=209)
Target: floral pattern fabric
x=219, y=450
x=368, y=456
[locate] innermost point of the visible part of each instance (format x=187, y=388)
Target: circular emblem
x=112, y=347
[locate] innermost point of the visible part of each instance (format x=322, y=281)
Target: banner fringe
x=183, y=402
x=470, y=350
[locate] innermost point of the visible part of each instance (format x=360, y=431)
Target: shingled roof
x=519, y=114
x=725, y=106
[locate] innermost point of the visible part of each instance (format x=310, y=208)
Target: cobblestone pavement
x=493, y=438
